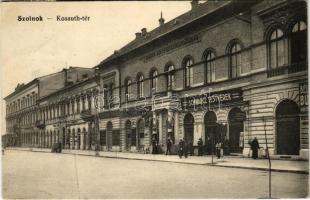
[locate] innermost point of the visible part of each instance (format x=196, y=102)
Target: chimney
x=143, y=31
x=161, y=20
x=138, y=35
x=194, y=4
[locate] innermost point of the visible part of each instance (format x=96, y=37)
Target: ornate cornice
x=282, y=13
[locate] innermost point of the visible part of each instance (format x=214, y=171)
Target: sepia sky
x=33, y=49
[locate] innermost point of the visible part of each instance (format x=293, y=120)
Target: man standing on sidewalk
x=200, y=147
x=169, y=144
x=154, y=146
x=181, y=148
x=218, y=147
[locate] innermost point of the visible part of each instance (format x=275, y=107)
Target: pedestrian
x=169, y=144
x=200, y=147
x=208, y=145
x=157, y=148
x=154, y=146
x=190, y=148
x=185, y=149
x=218, y=147
x=181, y=148
x=254, y=148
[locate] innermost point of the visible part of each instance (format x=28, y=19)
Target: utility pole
x=268, y=156
x=96, y=114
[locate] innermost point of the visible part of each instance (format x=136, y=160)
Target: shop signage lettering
x=303, y=94
x=185, y=41
x=211, y=99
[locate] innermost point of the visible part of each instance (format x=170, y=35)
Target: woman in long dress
x=255, y=147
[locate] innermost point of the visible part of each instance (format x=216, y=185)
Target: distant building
x=63, y=113
x=225, y=71
x=23, y=112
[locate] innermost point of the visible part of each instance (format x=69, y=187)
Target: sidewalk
x=227, y=161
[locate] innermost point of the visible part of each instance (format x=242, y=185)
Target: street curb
x=261, y=169
x=179, y=162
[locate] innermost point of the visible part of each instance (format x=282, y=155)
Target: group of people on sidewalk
x=185, y=148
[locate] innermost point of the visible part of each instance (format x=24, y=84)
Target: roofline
x=22, y=88
x=70, y=67
x=163, y=34
x=40, y=77
x=65, y=88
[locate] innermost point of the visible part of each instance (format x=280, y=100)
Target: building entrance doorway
x=189, y=128
x=211, y=132
x=236, y=119
x=130, y=136
x=140, y=134
x=288, y=128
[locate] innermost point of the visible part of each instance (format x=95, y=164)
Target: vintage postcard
x=154, y=99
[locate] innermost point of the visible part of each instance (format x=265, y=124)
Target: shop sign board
x=205, y=100
x=303, y=94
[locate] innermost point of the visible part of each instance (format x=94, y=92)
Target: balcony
x=288, y=69
x=16, y=128
x=87, y=115
x=40, y=124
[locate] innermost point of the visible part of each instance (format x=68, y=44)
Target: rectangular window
x=83, y=104
x=78, y=106
x=89, y=103
x=72, y=105
x=68, y=108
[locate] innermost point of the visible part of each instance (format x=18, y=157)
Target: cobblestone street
x=45, y=175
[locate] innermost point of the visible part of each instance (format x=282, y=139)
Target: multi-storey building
x=23, y=112
x=67, y=122
x=224, y=71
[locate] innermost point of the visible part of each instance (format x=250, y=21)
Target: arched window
x=298, y=41
x=235, y=60
x=140, y=85
x=209, y=66
x=127, y=89
x=170, y=76
x=276, y=53
x=154, y=80
x=188, y=71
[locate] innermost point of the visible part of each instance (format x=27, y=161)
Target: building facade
x=224, y=71
x=25, y=116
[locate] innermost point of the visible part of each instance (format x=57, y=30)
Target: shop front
x=217, y=117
